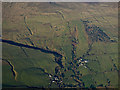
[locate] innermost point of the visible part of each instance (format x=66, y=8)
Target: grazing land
x=60, y=45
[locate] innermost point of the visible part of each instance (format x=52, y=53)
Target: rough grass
x=52, y=32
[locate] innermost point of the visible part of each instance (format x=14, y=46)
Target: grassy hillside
x=60, y=45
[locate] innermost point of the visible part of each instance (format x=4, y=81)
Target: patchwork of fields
x=54, y=45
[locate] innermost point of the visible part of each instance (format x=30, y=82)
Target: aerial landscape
x=59, y=45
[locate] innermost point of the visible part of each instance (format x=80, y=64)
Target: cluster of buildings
x=81, y=62
x=54, y=78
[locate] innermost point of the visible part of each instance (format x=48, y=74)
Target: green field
x=54, y=45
